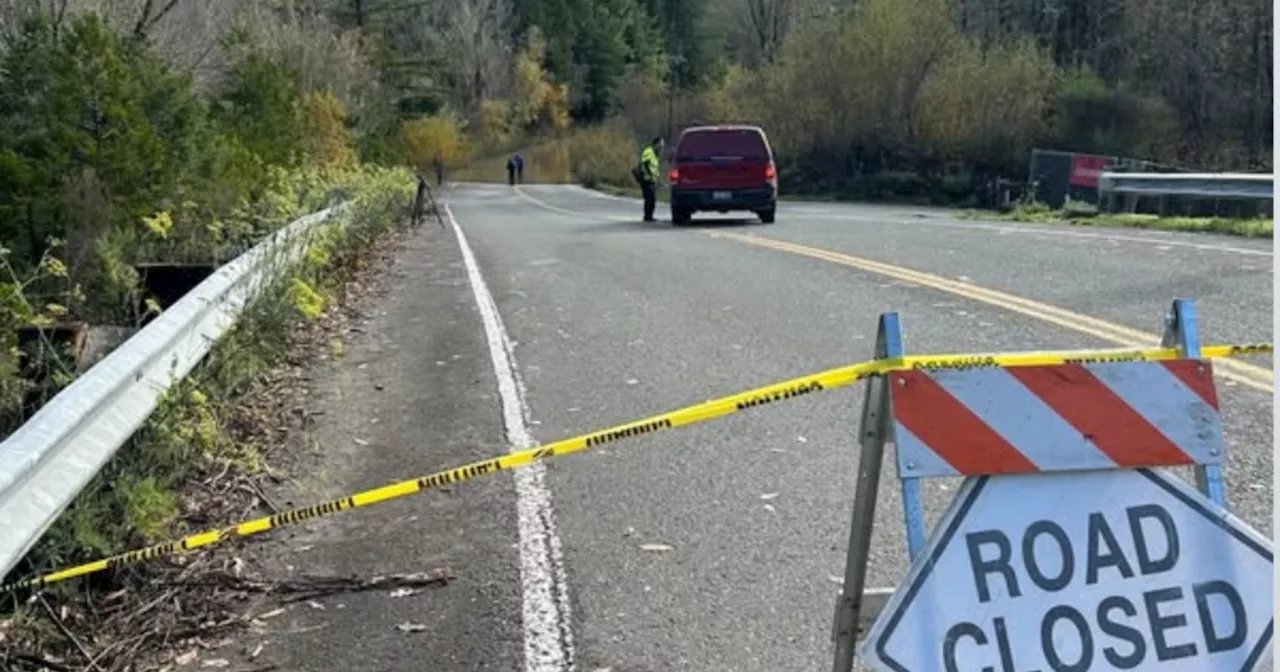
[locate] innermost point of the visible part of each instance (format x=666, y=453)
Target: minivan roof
x=744, y=141
x=723, y=127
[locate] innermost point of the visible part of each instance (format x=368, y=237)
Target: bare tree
x=151, y=14
x=769, y=21
x=476, y=38
x=463, y=42
x=184, y=32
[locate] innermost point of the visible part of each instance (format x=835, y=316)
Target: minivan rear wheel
x=767, y=215
x=680, y=216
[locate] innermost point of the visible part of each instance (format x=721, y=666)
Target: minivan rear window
x=744, y=144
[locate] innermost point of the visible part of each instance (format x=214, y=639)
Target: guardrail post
x=874, y=434
x=1182, y=330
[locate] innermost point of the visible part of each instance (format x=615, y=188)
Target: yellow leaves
x=160, y=224
x=426, y=138
x=54, y=267
x=555, y=107
x=318, y=255
x=495, y=123
x=538, y=101
x=307, y=300
x=55, y=309
x=328, y=139
x=207, y=430
x=530, y=79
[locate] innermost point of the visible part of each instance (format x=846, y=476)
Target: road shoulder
x=412, y=393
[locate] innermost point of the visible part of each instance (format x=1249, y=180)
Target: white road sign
x=1073, y=571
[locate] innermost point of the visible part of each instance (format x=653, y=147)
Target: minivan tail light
x=674, y=175
x=770, y=172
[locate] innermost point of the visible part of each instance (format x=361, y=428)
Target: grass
x=1039, y=214
x=589, y=156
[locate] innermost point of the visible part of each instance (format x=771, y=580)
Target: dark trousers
x=650, y=191
x=511, y=176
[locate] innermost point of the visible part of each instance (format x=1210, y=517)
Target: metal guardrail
x=1249, y=186
x=53, y=456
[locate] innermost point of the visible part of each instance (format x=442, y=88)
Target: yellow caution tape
x=707, y=410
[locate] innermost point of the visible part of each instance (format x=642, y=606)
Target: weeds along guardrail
x=47, y=461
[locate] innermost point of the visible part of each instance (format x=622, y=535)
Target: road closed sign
x=1074, y=571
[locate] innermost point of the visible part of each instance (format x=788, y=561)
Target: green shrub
x=262, y=107
x=604, y=154
x=86, y=114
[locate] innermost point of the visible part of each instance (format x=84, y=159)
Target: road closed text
x=1109, y=598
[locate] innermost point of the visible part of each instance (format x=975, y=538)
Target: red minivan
x=723, y=168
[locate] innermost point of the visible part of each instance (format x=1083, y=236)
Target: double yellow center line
x=1243, y=373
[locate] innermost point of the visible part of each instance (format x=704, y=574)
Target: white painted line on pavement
x=608, y=197
x=548, y=637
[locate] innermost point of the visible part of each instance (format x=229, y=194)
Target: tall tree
x=695, y=54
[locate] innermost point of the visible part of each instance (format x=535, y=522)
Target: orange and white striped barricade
x=1068, y=547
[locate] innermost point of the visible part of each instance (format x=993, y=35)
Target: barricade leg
x=912, y=502
x=1182, y=330
x=874, y=435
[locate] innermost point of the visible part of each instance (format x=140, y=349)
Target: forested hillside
x=181, y=131
x=854, y=89
x=207, y=92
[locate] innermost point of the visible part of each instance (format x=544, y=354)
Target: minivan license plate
x=721, y=195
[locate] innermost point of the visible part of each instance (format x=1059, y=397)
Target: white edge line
x=548, y=637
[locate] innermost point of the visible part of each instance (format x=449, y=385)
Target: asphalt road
x=610, y=319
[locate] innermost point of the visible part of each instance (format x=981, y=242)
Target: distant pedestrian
x=511, y=171
x=519, y=168
x=439, y=163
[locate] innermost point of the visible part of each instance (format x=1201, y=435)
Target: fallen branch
x=66, y=632
x=37, y=662
x=308, y=586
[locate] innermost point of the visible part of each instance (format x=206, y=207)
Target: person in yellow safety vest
x=647, y=175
